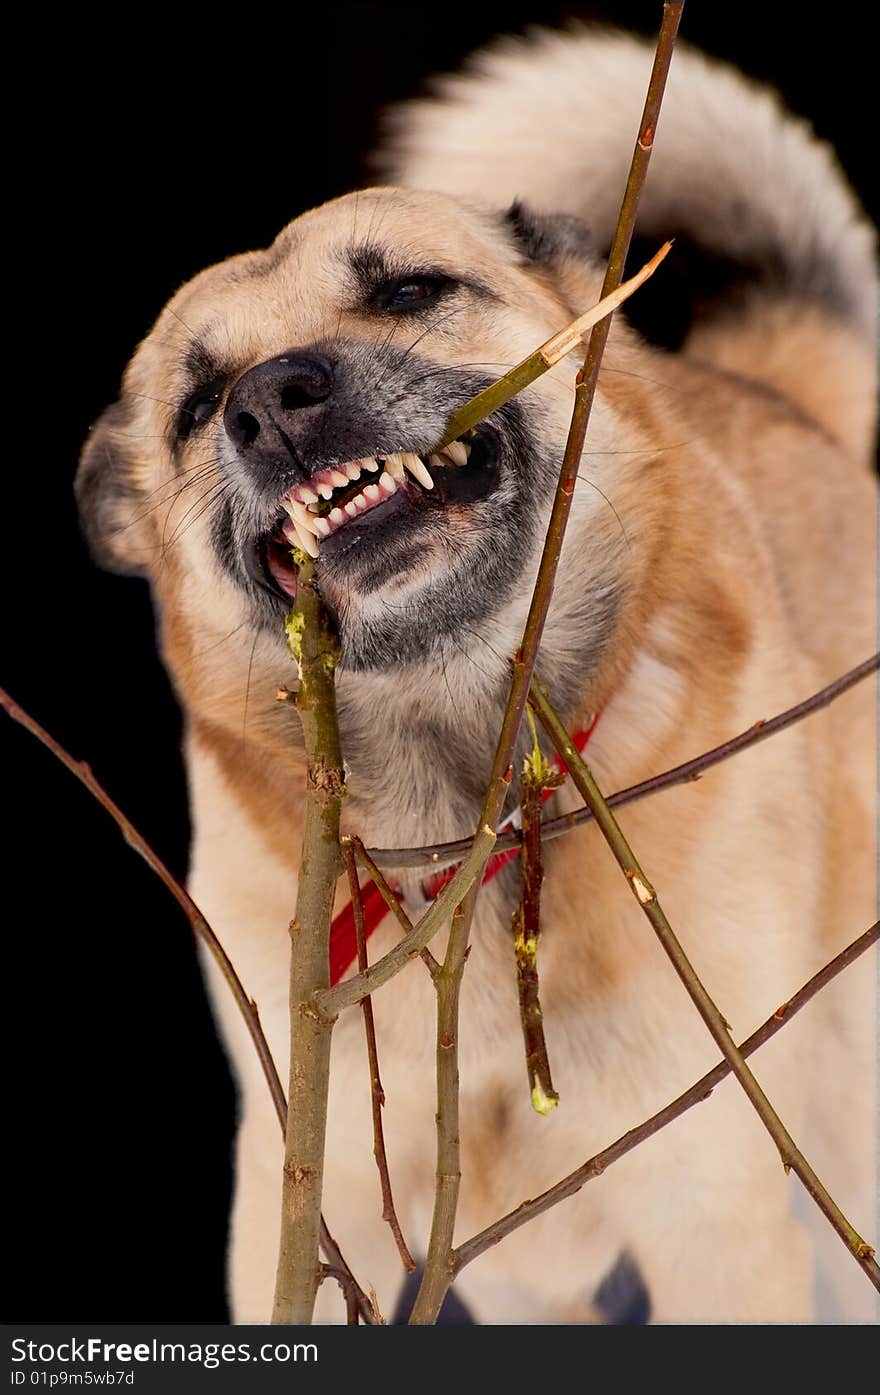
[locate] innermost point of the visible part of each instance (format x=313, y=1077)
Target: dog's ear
x=112, y=513
x=545, y=238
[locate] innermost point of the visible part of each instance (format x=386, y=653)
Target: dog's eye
x=410, y=292
x=198, y=407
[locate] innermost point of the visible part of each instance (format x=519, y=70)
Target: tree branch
x=438, y=1272
x=439, y=854
x=202, y=930
x=328, y=1002
x=377, y=1094
x=536, y=777
x=391, y=901
x=792, y=1158
x=315, y=647
x=352, y=1310
x=595, y=1166
x=556, y=348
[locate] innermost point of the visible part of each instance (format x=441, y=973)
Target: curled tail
x=774, y=274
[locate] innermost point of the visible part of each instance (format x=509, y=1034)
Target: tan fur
x=737, y=473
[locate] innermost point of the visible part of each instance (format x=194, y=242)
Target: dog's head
x=297, y=396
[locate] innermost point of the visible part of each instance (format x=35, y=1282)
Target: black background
x=136, y=158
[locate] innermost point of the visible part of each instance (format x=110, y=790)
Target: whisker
x=202, y=504
x=593, y=485
x=197, y=653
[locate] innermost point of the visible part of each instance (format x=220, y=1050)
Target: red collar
x=343, y=950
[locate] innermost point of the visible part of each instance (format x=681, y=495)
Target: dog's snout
x=264, y=410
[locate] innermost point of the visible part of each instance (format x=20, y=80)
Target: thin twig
x=552, y=352
x=792, y=1158
x=315, y=647
x=438, y=1272
x=596, y=1165
x=366, y=1307
x=536, y=777
x=377, y=1094
x=352, y=1309
x=439, y=854
x=200, y=927
x=391, y=901
x=328, y=1002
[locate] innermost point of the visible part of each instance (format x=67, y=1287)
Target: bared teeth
x=394, y=467
x=417, y=469
x=458, y=452
x=300, y=515
x=387, y=484
x=455, y=454
x=299, y=537
x=306, y=527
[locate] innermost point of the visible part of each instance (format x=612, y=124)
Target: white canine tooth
x=339, y=478
x=298, y=537
x=372, y=492
x=394, y=466
x=300, y=515
x=337, y=516
x=322, y=527
x=352, y=509
x=306, y=541
x=353, y=469
x=416, y=467
x=457, y=452
x=387, y=483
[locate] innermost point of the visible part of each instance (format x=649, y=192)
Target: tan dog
x=716, y=570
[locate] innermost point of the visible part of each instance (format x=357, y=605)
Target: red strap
x=343, y=948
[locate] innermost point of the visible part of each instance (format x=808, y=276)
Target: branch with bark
x=536, y=777
x=596, y=1165
x=441, y=854
x=314, y=1004
x=438, y=1266
x=791, y=1156
x=202, y=930
x=377, y=1094
x=315, y=647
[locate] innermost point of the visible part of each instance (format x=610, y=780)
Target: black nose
x=265, y=410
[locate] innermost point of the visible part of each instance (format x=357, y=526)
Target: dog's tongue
x=278, y=558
